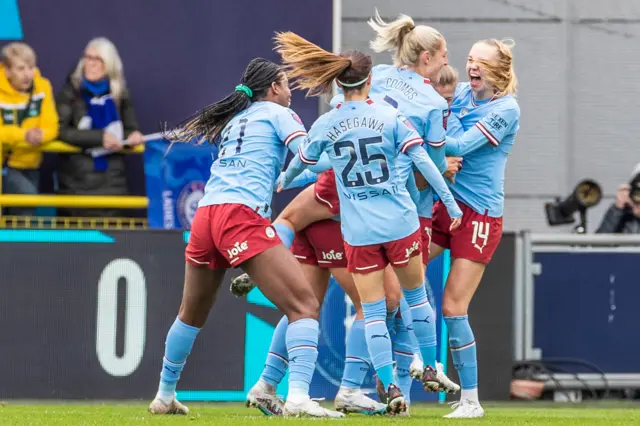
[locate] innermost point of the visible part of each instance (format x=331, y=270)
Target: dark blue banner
x=586, y=308
x=175, y=177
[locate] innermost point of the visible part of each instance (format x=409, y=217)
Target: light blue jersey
x=364, y=142
x=253, y=149
x=490, y=129
x=415, y=97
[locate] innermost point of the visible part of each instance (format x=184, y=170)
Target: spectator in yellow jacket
x=28, y=118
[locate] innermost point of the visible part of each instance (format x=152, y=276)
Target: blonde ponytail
x=406, y=40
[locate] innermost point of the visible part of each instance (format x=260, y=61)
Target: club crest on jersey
x=464, y=112
x=188, y=201
x=296, y=117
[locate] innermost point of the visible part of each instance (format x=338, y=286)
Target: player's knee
x=192, y=316
x=305, y=305
x=393, y=300
x=454, y=308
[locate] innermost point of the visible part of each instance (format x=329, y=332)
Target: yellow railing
x=58, y=146
x=79, y=201
x=43, y=222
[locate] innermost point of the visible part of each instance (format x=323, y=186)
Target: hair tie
x=245, y=90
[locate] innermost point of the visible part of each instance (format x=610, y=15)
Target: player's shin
x=177, y=348
x=463, y=354
x=302, y=347
x=277, y=360
x=378, y=341
x=356, y=357
x=404, y=352
x=424, y=324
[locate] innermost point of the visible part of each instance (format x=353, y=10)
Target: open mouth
x=474, y=77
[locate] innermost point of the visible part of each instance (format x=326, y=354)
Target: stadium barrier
x=85, y=313
x=576, y=309
x=80, y=201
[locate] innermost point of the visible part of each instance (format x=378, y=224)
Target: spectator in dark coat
x=96, y=115
x=623, y=217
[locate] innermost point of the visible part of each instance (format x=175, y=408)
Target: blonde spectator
x=28, y=119
x=96, y=114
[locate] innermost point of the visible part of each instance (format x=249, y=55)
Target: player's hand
x=454, y=165
x=455, y=224
x=451, y=177
x=279, y=183
x=622, y=196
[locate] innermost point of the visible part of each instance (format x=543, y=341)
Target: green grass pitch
x=64, y=413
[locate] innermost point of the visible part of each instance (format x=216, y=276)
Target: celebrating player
x=366, y=142
x=419, y=55
x=254, y=127
x=489, y=116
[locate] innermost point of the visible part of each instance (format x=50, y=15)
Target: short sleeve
x=435, y=133
x=288, y=125
x=406, y=134
x=498, y=123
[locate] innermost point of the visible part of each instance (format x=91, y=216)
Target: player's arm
x=308, y=154
x=304, y=178
x=454, y=126
x=410, y=143
x=435, y=138
x=292, y=132
x=492, y=128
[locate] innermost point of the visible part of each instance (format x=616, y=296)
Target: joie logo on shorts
x=414, y=247
x=237, y=249
x=332, y=255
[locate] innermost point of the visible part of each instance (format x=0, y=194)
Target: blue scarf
x=102, y=111
x=100, y=105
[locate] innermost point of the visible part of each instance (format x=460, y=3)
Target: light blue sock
x=407, y=319
x=356, y=364
x=378, y=341
x=424, y=323
x=177, y=348
x=285, y=233
x=277, y=361
x=463, y=350
x=302, y=346
x=403, y=352
x=391, y=317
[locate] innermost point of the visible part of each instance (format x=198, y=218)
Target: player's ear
x=425, y=56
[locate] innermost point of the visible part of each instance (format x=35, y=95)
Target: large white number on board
x=135, y=317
